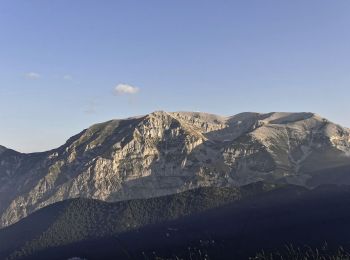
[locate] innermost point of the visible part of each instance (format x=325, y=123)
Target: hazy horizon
x=67, y=65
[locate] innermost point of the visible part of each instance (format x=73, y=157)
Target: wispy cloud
x=125, y=89
x=91, y=107
x=67, y=77
x=32, y=75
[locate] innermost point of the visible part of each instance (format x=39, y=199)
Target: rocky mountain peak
x=168, y=152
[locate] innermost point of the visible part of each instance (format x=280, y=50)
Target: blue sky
x=61, y=60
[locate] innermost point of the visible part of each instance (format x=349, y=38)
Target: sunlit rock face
x=163, y=153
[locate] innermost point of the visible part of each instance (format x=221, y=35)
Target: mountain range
x=166, y=153
x=133, y=174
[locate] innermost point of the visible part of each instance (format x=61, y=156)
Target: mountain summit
x=164, y=153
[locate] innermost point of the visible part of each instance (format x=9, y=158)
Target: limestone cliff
x=164, y=153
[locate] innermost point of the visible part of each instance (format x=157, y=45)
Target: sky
x=65, y=65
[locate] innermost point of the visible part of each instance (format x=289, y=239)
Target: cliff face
x=164, y=153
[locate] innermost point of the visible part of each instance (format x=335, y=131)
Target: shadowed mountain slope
x=78, y=220
x=235, y=230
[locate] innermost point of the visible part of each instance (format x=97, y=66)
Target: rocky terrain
x=166, y=153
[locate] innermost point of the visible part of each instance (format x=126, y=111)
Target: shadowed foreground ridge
x=220, y=225
x=77, y=220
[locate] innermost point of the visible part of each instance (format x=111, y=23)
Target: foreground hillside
x=166, y=153
x=77, y=220
x=219, y=226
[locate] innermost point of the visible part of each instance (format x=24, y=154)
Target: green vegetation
x=86, y=219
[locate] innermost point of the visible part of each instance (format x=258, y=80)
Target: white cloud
x=67, y=77
x=125, y=89
x=32, y=75
x=91, y=107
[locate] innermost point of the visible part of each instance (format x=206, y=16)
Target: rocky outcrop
x=164, y=153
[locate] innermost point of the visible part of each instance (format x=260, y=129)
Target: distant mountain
x=165, y=153
x=204, y=221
